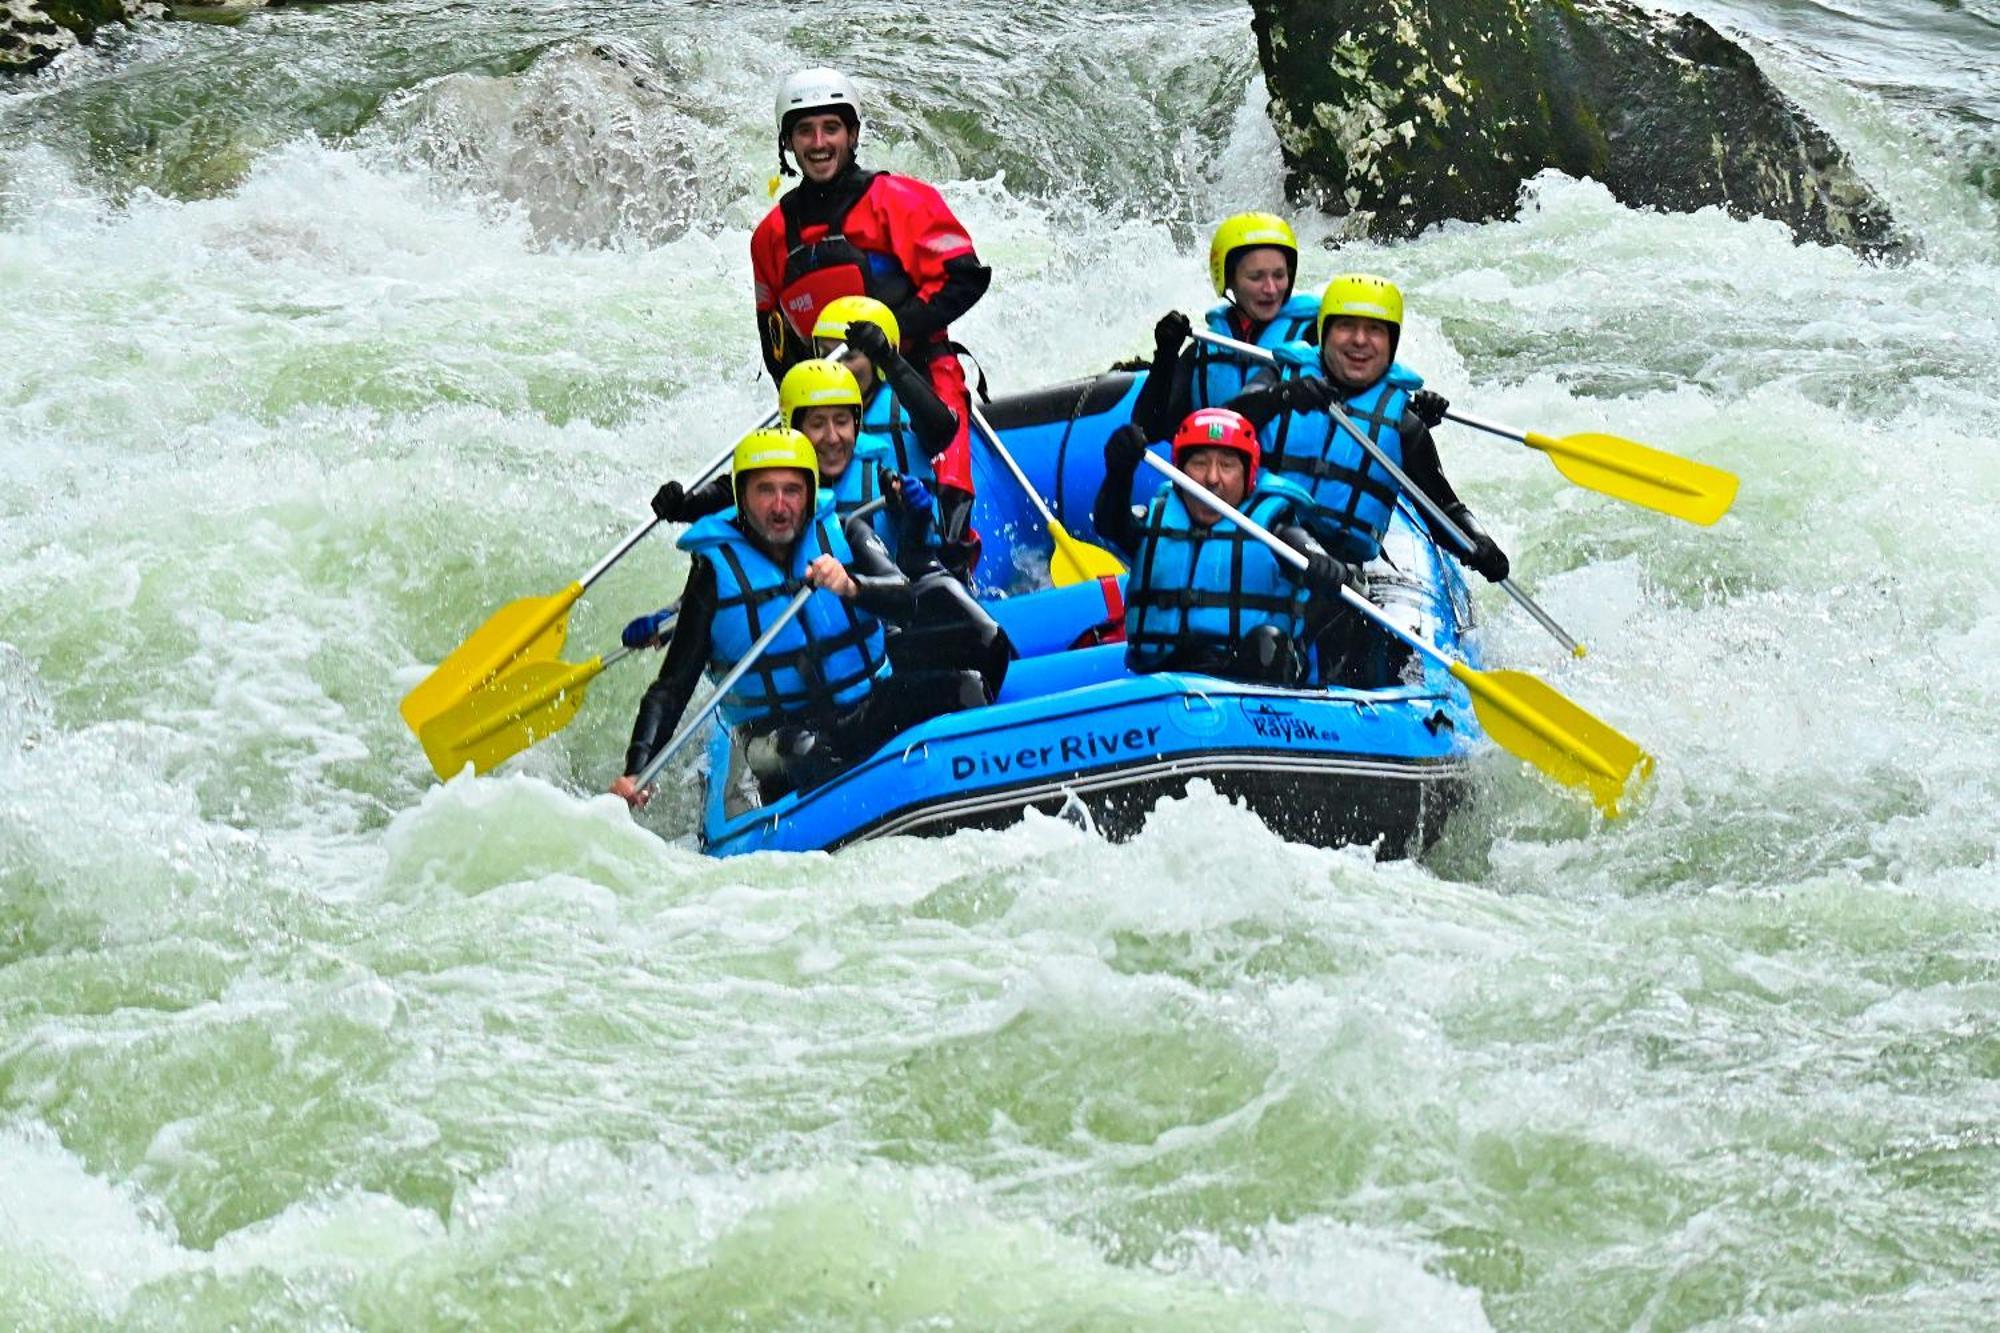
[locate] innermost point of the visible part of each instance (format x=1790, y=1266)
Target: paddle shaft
x=1432, y=509
x=748, y=660
x=638, y=534
x=722, y=687
x=1490, y=427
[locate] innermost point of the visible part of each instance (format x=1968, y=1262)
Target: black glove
x=670, y=503
x=1308, y=393
x=1122, y=450
x=1485, y=558
x=1327, y=575
x=1430, y=407
x=1172, y=330
x=869, y=340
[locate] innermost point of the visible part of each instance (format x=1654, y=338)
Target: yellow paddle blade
x=1640, y=475
x=530, y=627
x=1075, y=561
x=529, y=703
x=1532, y=721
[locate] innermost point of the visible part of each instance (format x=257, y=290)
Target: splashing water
x=329, y=332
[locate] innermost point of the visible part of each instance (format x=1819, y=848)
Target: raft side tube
x=1304, y=759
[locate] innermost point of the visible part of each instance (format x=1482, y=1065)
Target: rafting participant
x=843, y=231
x=1203, y=594
x=822, y=400
x=824, y=693
x=901, y=412
x=1360, y=323
x=1253, y=262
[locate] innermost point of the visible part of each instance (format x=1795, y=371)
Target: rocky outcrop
x=1404, y=113
x=34, y=32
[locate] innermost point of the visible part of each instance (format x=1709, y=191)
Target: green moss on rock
x=1405, y=113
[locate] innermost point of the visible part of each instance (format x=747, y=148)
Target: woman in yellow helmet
x=822, y=400
x=1253, y=263
x=902, y=411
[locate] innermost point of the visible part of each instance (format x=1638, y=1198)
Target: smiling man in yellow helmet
x=1360, y=324
x=823, y=694
x=1253, y=264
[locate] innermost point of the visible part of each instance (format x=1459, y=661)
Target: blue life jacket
x=1218, y=374
x=830, y=655
x=1195, y=594
x=1352, y=496
x=884, y=421
x=860, y=483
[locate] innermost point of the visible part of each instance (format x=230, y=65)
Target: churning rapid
x=325, y=334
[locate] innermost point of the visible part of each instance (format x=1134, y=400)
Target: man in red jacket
x=843, y=231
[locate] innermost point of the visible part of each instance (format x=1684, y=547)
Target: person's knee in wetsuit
x=1267, y=656
x=951, y=631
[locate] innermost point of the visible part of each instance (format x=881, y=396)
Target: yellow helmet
x=816, y=383
x=772, y=447
x=1247, y=231
x=844, y=310
x=1363, y=295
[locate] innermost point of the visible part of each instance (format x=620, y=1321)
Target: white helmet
x=816, y=90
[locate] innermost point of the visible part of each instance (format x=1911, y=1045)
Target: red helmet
x=1220, y=428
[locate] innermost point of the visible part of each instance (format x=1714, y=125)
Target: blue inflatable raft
x=1074, y=732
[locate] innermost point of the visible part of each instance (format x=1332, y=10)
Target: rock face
x=34, y=32
x=1405, y=113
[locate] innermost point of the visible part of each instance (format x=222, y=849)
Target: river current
x=326, y=333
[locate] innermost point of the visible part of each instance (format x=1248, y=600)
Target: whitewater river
x=323, y=335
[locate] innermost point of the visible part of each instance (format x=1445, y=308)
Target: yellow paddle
x=1072, y=561
x=528, y=702
x=1524, y=716
x=1622, y=469
x=529, y=627
x=1629, y=471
